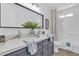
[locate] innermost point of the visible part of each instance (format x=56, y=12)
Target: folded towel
x=32, y=46
x=51, y=37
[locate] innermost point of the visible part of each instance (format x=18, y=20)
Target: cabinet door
x=51, y=49
x=46, y=51
x=38, y=53
x=39, y=45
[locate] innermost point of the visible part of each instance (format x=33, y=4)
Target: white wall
x=46, y=11
x=69, y=28
x=43, y=10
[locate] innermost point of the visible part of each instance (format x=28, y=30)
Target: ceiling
x=57, y=5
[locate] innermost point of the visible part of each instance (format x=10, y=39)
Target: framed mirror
x=15, y=14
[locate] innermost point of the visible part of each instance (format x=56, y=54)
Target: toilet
x=56, y=46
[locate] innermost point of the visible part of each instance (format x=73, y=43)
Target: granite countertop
x=16, y=44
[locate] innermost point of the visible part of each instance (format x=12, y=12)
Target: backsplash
x=11, y=32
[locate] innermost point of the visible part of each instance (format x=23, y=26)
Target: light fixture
x=33, y=6
x=67, y=15
x=37, y=9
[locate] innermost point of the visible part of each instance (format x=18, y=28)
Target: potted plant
x=32, y=25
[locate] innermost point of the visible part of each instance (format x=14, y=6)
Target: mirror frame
x=25, y=8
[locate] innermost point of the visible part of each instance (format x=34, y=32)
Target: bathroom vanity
x=45, y=48
x=16, y=47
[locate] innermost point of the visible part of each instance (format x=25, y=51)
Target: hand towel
x=51, y=37
x=32, y=46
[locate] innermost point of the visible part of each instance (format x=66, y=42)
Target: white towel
x=32, y=46
x=51, y=37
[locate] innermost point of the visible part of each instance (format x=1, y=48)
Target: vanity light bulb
x=37, y=9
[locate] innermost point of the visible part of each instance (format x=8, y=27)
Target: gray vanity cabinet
x=47, y=47
x=44, y=48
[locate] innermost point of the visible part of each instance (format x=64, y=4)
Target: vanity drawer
x=17, y=52
x=46, y=41
x=39, y=45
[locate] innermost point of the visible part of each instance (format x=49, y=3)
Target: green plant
x=31, y=25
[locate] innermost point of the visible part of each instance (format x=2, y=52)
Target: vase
x=35, y=32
